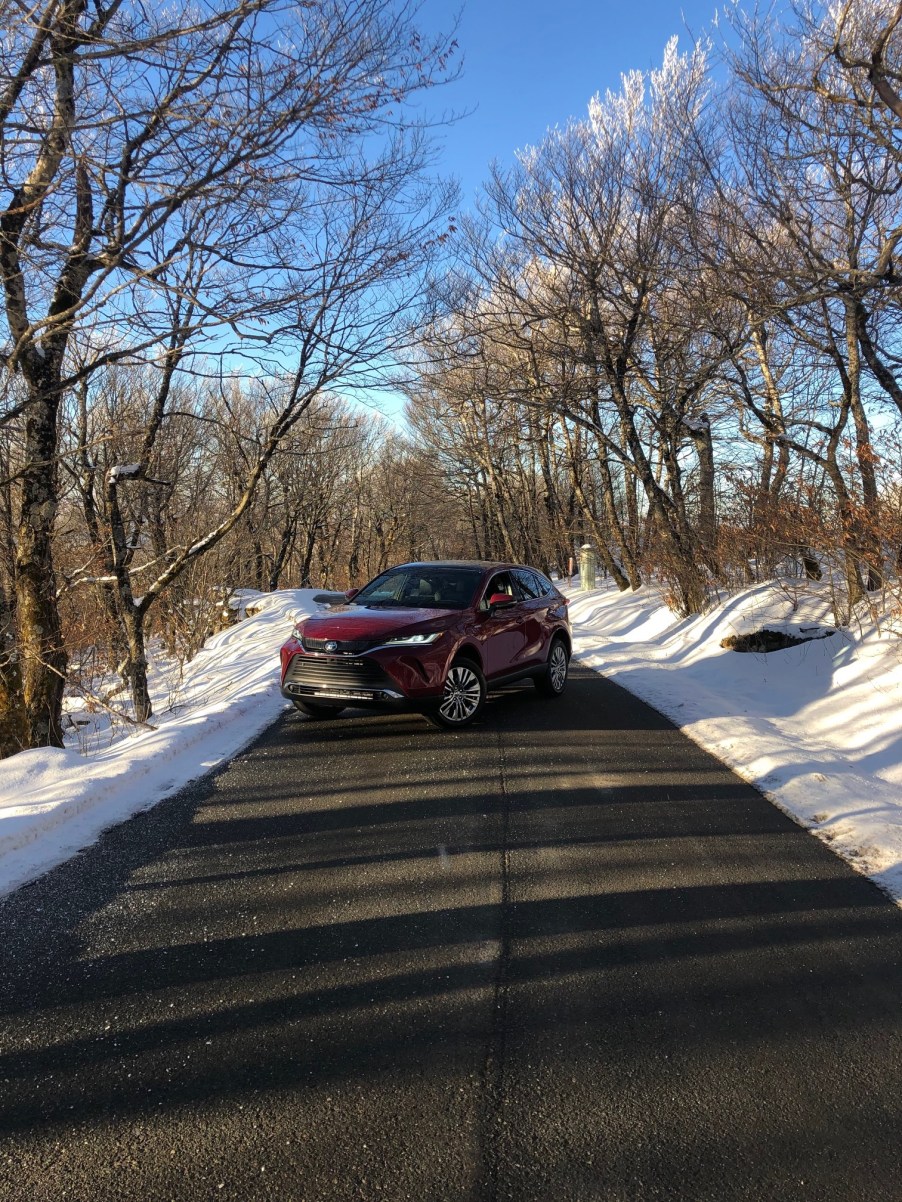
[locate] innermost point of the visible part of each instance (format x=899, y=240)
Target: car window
x=386, y=587
x=546, y=588
x=527, y=583
x=501, y=582
x=421, y=587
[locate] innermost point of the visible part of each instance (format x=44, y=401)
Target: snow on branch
x=697, y=425
x=123, y=471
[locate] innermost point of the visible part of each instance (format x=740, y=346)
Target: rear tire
x=314, y=709
x=463, y=697
x=552, y=681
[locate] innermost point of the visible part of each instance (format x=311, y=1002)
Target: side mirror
x=351, y=594
x=501, y=601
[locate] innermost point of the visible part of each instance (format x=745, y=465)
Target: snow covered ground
x=55, y=801
x=817, y=727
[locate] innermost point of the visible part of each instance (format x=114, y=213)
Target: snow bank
x=817, y=727
x=55, y=801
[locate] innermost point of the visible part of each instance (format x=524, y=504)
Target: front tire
x=314, y=709
x=463, y=697
x=553, y=679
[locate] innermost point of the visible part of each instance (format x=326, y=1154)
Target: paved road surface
x=562, y=956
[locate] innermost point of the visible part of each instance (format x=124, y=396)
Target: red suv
x=432, y=636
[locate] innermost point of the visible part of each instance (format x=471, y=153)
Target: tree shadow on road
x=571, y=913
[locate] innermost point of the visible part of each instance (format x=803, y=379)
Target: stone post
x=587, y=564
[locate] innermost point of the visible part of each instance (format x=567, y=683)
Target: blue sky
x=531, y=64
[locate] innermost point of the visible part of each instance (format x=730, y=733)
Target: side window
x=501, y=583
x=545, y=587
x=529, y=586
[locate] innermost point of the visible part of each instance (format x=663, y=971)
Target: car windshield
x=421, y=587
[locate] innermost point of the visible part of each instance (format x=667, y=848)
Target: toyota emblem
x=331, y=646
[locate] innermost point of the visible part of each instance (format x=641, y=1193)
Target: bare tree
x=223, y=153
x=820, y=219
x=597, y=308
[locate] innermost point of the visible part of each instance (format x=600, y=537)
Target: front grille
x=320, y=674
x=343, y=645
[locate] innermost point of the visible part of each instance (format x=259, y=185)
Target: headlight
x=298, y=631
x=412, y=640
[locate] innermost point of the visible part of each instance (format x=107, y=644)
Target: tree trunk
x=706, y=533
x=285, y=544
x=609, y=503
x=551, y=500
x=854, y=583
x=259, y=559
x=43, y=657
x=13, y=732
x=135, y=670
x=307, y=559
x=772, y=478
x=679, y=564
x=131, y=615
x=474, y=527
x=869, y=517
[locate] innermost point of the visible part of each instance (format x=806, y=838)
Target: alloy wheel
x=463, y=695
x=557, y=667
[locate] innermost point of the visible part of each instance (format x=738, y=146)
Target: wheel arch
x=468, y=651
x=564, y=636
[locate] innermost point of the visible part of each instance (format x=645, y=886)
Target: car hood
x=356, y=622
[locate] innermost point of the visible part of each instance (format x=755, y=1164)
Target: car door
x=534, y=611
x=501, y=632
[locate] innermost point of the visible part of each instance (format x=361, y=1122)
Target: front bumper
x=358, y=680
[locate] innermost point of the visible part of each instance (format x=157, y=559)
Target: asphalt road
x=562, y=955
